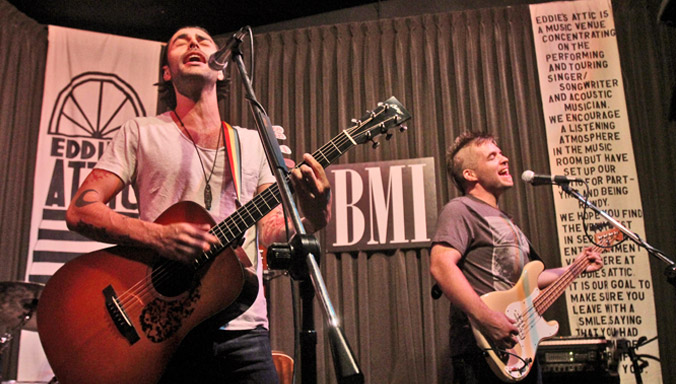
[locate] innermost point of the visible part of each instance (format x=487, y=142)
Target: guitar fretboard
x=234, y=226
x=549, y=295
x=229, y=231
x=553, y=291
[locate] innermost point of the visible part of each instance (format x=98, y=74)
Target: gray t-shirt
x=161, y=164
x=494, y=252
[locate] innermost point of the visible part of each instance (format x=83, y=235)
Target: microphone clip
x=219, y=60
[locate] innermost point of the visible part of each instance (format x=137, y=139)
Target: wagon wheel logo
x=94, y=105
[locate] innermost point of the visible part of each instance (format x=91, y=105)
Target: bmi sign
x=382, y=205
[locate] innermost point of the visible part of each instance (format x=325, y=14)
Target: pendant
x=207, y=196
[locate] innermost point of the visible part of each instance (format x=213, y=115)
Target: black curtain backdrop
x=454, y=71
x=23, y=47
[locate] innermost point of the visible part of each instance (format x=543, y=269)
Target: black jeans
x=223, y=357
x=472, y=368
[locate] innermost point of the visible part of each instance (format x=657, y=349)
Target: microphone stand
x=670, y=270
x=303, y=248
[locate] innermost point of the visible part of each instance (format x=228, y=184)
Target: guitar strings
x=219, y=228
x=160, y=273
x=549, y=294
x=533, y=312
x=163, y=271
x=136, y=293
x=167, y=268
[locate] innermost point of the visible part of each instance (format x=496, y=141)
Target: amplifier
x=575, y=358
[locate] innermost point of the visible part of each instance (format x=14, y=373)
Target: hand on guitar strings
x=313, y=193
x=498, y=328
x=182, y=241
x=594, y=257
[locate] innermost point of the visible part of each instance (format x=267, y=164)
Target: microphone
x=219, y=60
x=535, y=179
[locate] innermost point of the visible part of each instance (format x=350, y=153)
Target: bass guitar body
x=517, y=303
x=526, y=304
x=118, y=315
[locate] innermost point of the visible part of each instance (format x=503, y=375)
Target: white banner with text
x=588, y=138
x=94, y=82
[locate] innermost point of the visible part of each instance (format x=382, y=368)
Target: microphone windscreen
x=527, y=176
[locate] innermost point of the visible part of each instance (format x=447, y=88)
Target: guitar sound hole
x=171, y=278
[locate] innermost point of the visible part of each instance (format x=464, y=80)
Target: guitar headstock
x=608, y=237
x=389, y=114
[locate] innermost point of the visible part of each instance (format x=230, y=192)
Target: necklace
x=207, y=187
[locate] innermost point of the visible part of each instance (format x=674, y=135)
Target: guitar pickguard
x=532, y=326
x=161, y=319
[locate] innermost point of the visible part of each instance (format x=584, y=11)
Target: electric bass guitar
x=526, y=304
x=117, y=315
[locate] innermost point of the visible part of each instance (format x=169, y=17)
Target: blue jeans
x=223, y=357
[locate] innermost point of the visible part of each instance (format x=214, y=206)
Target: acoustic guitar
x=117, y=315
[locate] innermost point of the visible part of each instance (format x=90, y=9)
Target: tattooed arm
x=272, y=227
x=313, y=194
x=89, y=215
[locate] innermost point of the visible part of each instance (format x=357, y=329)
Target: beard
x=192, y=85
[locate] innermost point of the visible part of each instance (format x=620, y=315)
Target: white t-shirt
x=161, y=164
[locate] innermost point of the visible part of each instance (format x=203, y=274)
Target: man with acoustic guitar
x=182, y=155
x=478, y=249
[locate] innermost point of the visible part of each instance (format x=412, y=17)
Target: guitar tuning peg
x=375, y=144
x=402, y=128
x=355, y=121
x=388, y=136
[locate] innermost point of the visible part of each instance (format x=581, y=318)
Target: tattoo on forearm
x=274, y=228
x=101, y=234
x=81, y=202
x=97, y=175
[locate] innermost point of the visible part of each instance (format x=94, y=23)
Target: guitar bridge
x=119, y=316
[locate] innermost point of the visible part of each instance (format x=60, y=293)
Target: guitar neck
x=549, y=295
x=387, y=115
x=234, y=226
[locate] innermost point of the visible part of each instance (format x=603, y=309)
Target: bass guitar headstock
x=608, y=237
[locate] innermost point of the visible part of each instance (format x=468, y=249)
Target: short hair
x=455, y=165
x=165, y=88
